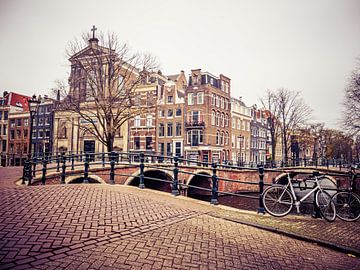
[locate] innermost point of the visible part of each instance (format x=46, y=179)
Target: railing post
x=214, y=189
x=327, y=164
x=43, y=177
x=175, y=190
x=63, y=168
x=305, y=161
x=29, y=178
x=261, y=209
x=58, y=163
x=86, y=169
x=72, y=161
x=34, y=167
x=142, y=166
x=112, y=168
x=25, y=171
x=103, y=158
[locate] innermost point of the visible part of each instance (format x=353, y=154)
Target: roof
x=18, y=100
x=173, y=77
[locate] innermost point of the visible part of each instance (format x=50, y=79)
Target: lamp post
x=33, y=106
x=240, y=139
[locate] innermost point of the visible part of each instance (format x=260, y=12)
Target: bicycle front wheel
x=326, y=205
x=278, y=201
x=347, y=205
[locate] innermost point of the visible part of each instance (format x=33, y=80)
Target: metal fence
x=80, y=164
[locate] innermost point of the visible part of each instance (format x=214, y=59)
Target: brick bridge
x=192, y=179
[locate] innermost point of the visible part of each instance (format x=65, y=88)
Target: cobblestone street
x=102, y=226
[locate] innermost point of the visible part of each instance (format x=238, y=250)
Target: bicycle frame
x=298, y=202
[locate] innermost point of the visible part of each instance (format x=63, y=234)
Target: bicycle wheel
x=277, y=200
x=326, y=205
x=347, y=205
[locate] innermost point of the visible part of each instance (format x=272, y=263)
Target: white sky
x=308, y=46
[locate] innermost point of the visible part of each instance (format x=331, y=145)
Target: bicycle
x=279, y=199
x=347, y=203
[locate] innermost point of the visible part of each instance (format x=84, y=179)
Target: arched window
x=217, y=137
x=222, y=138
x=222, y=119
x=226, y=120
x=213, y=118
x=217, y=118
x=227, y=138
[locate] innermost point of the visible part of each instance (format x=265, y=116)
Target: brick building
x=43, y=125
x=207, y=108
x=170, y=116
x=142, y=128
x=259, y=136
x=14, y=125
x=240, y=131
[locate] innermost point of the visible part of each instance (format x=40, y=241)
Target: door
x=89, y=147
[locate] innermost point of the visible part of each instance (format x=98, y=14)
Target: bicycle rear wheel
x=277, y=200
x=326, y=205
x=347, y=205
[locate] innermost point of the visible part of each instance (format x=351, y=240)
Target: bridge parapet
x=177, y=175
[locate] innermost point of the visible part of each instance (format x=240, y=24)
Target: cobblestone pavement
x=103, y=226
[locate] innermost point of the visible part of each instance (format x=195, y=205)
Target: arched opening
x=80, y=180
x=159, y=180
x=202, y=180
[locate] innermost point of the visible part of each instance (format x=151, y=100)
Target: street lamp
x=240, y=139
x=33, y=106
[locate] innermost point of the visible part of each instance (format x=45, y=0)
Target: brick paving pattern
x=107, y=227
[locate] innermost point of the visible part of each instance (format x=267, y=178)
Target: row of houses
x=195, y=117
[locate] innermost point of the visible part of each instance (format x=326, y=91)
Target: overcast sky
x=308, y=46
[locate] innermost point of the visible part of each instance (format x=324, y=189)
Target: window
x=47, y=121
x=213, y=99
x=213, y=118
x=217, y=137
x=226, y=120
x=47, y=134
x=161, y=148
x=233, y=122
x=136, y=142
x=4, y=129
x=178, y=129
x=169, y=149
x=170, y=113
x=195, y=116
x=191, y=98
x=40, y=133
x=12, y=123
x=195, y=137
x=161, y=130
x=178, y=149
x=161, y=113
x=148, y=143
x=200, y=98
x=6, y=115
x=170, y=99
x=149, y=120
x=169, y=129
x=217, y=118
x=1, y=113
x=4, y=146
x=137, y=121
x=217, y=102
x=226, y=138
x=18, y=134
x=26, y=122
x=222, y=138
x=222, y=119
x=239, y=124
x=12, y=134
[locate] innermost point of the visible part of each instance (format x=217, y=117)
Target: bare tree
x=351, y=114
x=103, y=85
x=293, y=113
x=269, y=103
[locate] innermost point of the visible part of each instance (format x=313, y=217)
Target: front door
x=89, y=147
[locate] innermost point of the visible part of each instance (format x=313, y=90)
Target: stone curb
x=334, y=246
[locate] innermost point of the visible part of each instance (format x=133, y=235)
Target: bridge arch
x=162, y=184
x=77, y=179
x=201, y=179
